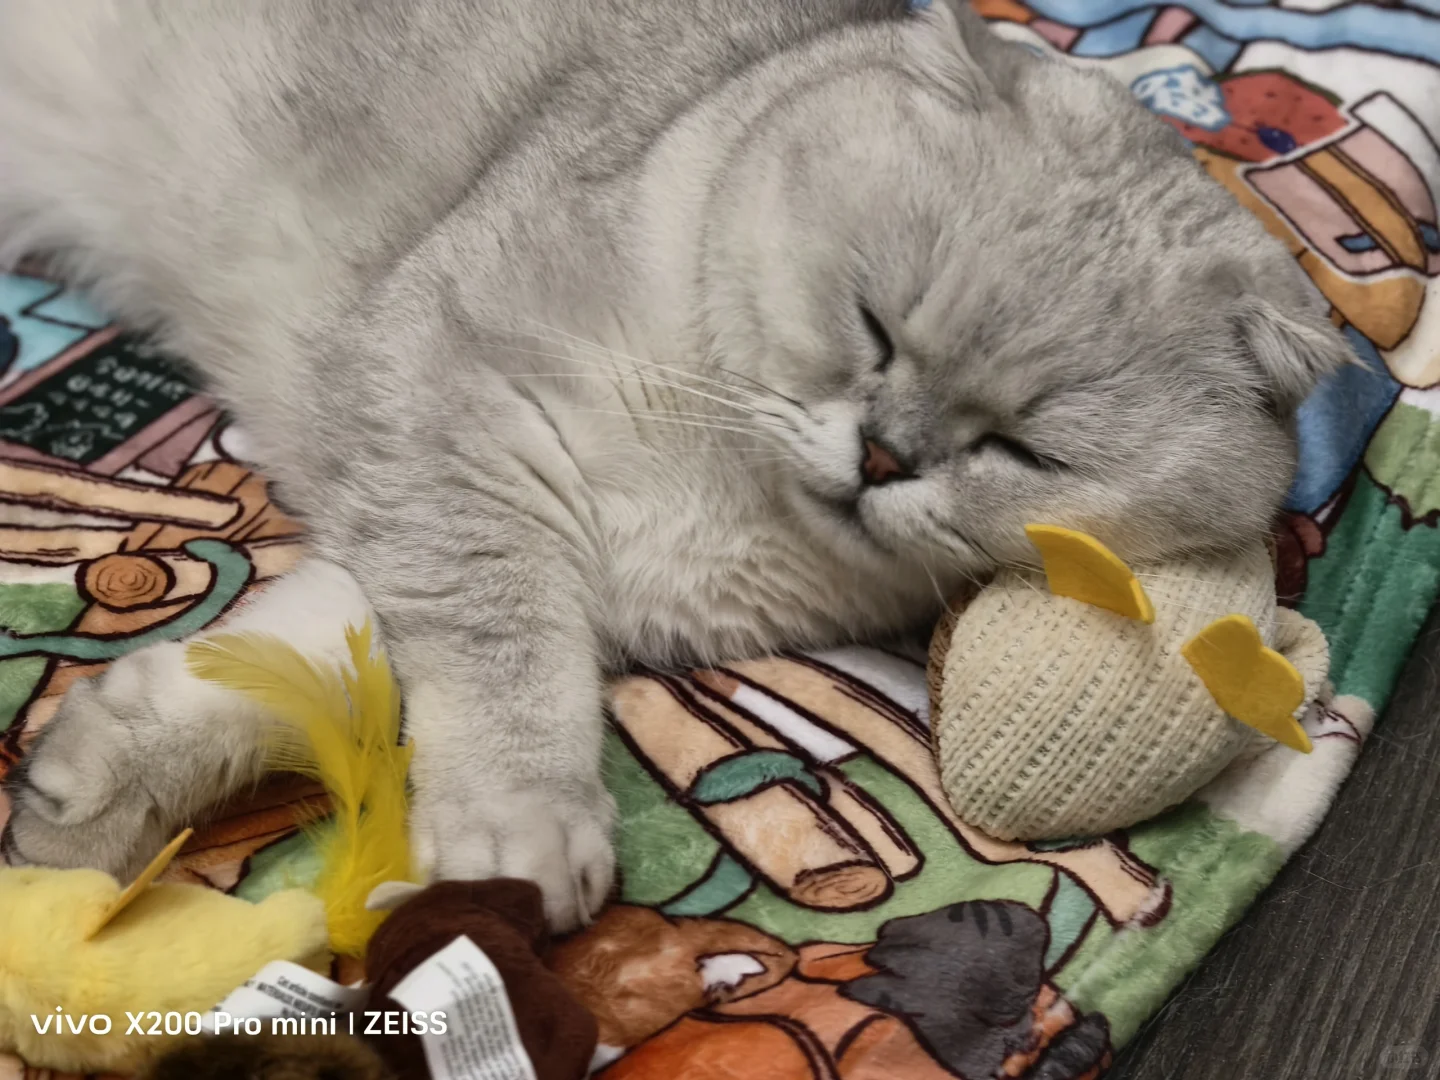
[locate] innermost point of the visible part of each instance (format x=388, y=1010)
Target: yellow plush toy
x=1070, y=703
x=80, y=958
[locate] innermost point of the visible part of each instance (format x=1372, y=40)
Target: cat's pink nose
x=880, y=464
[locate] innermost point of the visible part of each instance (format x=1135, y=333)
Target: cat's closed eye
x=1017, y=451
x=884, y=346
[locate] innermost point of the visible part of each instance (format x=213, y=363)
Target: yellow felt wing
x=1082, y=568
x=142, y=881
x=1252, y=683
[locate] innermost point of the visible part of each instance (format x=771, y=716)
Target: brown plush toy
x=506, y=920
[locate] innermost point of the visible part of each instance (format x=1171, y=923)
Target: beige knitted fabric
x=1054, y=719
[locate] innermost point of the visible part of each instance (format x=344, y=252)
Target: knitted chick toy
x=1070, y=704
x=78, y=953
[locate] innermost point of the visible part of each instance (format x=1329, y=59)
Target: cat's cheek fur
x=827, y=448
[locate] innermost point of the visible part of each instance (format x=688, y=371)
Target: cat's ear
x=1292, y=355
x=944, y=45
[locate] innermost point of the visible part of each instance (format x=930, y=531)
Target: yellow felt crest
x=1080, y=567
x=1250, y=682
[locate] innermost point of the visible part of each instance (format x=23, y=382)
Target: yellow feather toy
x=340, y=726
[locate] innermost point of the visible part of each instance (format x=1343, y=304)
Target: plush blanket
x=796, y=900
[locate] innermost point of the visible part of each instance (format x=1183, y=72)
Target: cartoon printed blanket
x=796, y=901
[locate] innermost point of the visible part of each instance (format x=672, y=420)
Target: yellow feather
x=342, y=727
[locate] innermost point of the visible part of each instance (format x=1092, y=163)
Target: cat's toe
x=77, y=799
x=592, y=868
x=560, y=842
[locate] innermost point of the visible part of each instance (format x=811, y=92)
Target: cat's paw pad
x=78, y=798
x=558, y=841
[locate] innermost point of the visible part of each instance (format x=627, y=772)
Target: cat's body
x=590, y=333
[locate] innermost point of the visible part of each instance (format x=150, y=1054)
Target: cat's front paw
x=548, y=836
x=78, y=799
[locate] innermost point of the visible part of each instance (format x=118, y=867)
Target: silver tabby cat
x=587, y=333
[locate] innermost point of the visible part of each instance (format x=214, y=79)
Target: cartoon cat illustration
x=955, y=993
x=966, y=979
x=637, y=971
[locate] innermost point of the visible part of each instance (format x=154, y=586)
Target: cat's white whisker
x=617, y=378
x=669, y=418
x=639, y=364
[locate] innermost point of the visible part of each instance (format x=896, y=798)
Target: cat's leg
x=507, y=730
x=488, y=621
x=146, y=748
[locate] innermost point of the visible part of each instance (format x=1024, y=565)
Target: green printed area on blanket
x=1215, y=869
x=667, y=856
x=31, y=609
x=1373, y=585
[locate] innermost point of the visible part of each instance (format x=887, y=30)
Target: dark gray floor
x=1335, y=973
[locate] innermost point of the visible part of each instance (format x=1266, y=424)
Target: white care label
x=283, y=990
x=480, y=1041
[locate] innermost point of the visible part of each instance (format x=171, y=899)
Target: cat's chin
x=843, y=517
x=853, y=518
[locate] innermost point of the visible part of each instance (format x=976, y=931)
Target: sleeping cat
x=590, y=333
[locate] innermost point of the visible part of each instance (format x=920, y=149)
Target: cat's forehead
x=1075, y=361
x=1066, y=308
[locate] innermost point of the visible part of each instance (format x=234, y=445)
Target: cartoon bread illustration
x=769, y=813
